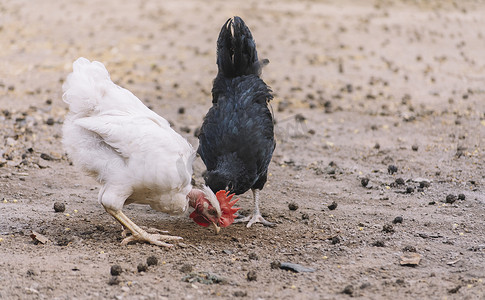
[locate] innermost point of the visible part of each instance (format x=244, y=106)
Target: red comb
x=227, y=216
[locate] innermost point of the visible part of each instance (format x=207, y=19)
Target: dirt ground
x=359, y=87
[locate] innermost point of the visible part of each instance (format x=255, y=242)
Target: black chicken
x=237, y=135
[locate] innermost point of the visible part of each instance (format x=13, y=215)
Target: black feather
x=236, y=140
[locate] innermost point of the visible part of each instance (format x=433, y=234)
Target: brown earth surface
x=359, y=86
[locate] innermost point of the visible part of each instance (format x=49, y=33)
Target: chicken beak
x=216, y=228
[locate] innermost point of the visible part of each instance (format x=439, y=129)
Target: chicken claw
x=138, y=234
x=155, y=239
x=256, y=217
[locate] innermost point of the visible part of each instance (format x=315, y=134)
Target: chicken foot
x=138, y=234
x=256, y=217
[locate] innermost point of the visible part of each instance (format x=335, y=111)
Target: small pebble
x=116, y=270
x=293, y=206
x=424, y=184
x=391, y=169
x=415, y=147
x=348, y=290
x=335, y=240
x=59, y=207
x=378, y=244
x=409, y=190
x=333, y=205
x=181, y=110
x=114, y=280
x=252, y=276
x=275, y=264
x=451, y=199
x=142, y=268
x=253, y=256
x=400, y=181
x=50, y=121
x=461, y=197
x=300, y=118
x=152, y=261
x=240, y=294
x=364, y=181
x=397, y=220
x=409, y=249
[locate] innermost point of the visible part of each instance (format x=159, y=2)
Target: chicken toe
x=138, y=234
x=256, y=217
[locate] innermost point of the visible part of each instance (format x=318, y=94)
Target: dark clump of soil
x=275, y=264
x=451, y=198
x=59, y=207
x=116, y=270
x=253, y=256
x=252, y=276
x=391, y=169
x=398, y=219
x=461, y=197
x=152, y=261
x=335, y=240
x=240, y=294
x=378, y=244
x=142, y=268
x=293, y=206
x=333, y=206
x=364, y=182
x=348, y=290
x=400, y=181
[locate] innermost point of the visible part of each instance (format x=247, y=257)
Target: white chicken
x=134, y=154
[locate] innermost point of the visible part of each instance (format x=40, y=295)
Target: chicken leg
x=256, y=217
x=138, y=234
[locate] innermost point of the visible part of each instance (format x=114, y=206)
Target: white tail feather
x=85, y=86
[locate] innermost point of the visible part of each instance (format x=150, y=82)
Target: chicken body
x=236, y=141
x=132, y=151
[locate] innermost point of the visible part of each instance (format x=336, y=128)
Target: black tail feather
x=236, y=50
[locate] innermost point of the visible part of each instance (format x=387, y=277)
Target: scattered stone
x=186, y=268
x=114, y=280
x=332, y=206
x=398, y=219
x=152, y=261
x=45, y=156
x=461, y=197
x=38, y=238
x=348, y=290
x=400, y=181
x=253, y=256
x=378, y=244
x=59, y=207
x=377, y=146
x=252, y=276
x=116, y=270
x=364, y=181
x=409, y=190
x=450, y=199
x=415, y=147
x=142, y=268
x=410, y=259
x=335, y=240
x=275, y=264
x=391, y=169
x=181, y=110
x=63, y=241
x=300, y=118
x=388, y=228
x=293, y=206
x=50, y=121
x=297, y=268
x=424, y=184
